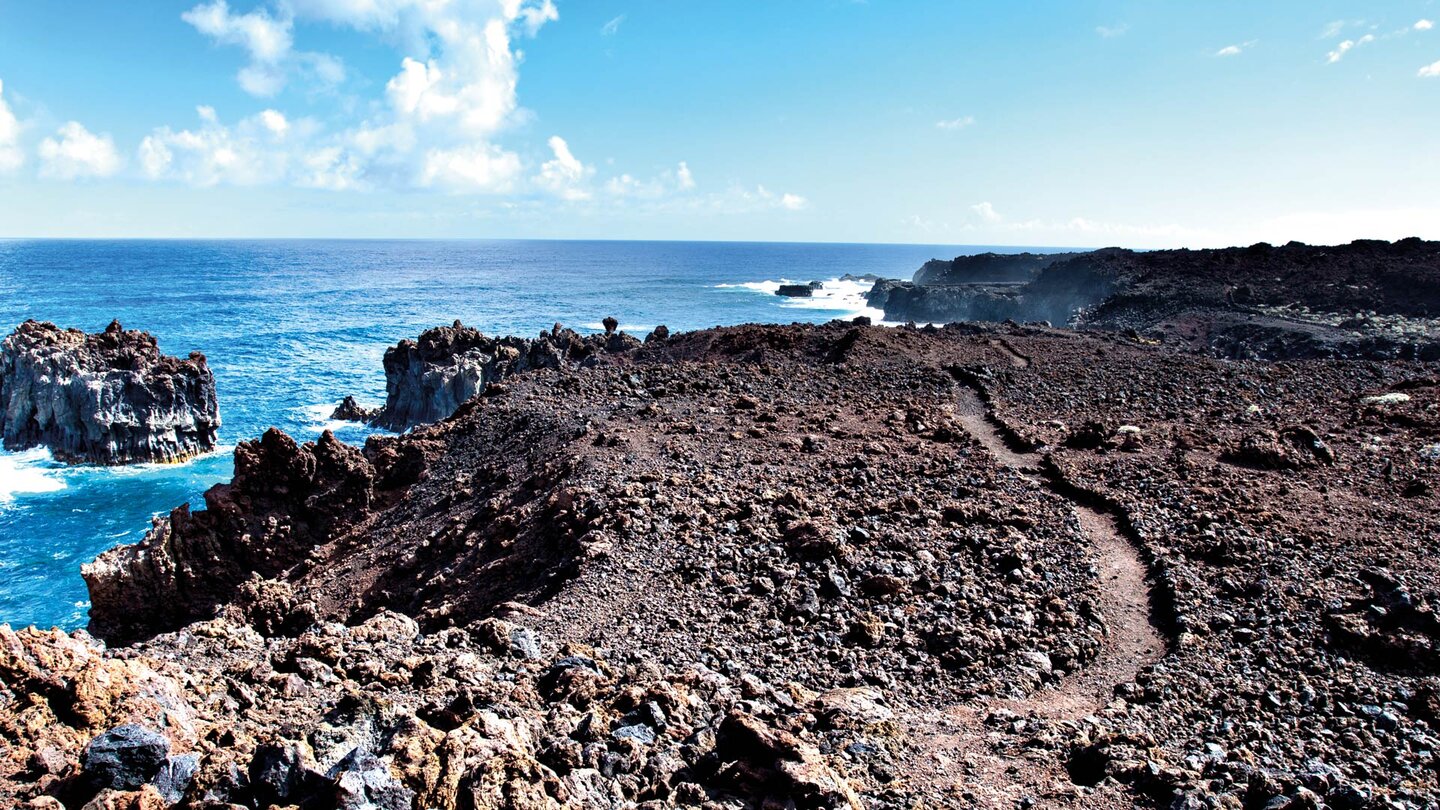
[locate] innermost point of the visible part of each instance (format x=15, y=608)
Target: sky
x=1143, y=123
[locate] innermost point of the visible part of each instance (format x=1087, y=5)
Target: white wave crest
x=845, y=298
x=27, y=472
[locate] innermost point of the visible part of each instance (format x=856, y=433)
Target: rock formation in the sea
x=830, y=566
x=799, y=290
x=1366, y=299
x=106, y=398
x=428, y=378
x=350, y=410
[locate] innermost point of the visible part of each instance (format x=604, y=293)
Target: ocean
x=291, y=327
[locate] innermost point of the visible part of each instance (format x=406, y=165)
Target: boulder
x=124, y=758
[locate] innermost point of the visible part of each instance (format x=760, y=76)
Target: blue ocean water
x=290, y=327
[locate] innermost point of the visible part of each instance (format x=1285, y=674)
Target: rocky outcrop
x=349, y=410
x=799, y=290
x=107, y=398
x=283, y=500
x=427, y=379
x=987, y=268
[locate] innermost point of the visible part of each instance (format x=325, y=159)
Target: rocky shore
x=1368, y=299
x=107, y=398
x=840, y=566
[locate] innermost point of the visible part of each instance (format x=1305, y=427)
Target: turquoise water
x=290, y=327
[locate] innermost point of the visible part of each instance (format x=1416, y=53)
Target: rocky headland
x=107, y=398
x=427, y=379
x=837, y=566
x=1367, y=299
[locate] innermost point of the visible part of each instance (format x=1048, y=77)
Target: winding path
x=967, y=762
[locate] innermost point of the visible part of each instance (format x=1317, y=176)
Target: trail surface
x=973, y=764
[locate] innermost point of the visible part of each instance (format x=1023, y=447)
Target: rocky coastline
x=838, y=566
x=1369, y=299
x=108, y=398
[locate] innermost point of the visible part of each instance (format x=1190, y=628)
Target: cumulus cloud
x=269, y=42
x=11, y=156
x=565, y=175
x=75, y=153
x=793, y=202
x=683, y=178
x=1430, y=71
x=1346, y=47
x=214, y=153
x=1424, y=25
x=479, y=167
x=953, y=124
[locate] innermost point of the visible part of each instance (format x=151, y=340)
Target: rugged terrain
x=1368, y=299
x=428, y=378
x=821, y=567
x=107, y=398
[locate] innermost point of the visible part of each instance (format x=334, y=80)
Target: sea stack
x=108, y=398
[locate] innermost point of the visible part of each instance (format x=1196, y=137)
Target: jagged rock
x=351, y=411
x=364, y=782
x=124, y=758
x=107, y=398
x=427, y=379
x=284, y=500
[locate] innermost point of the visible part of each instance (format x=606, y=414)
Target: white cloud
x=986, y=212
x=477, y=168
x=956, y=123
x=793, y=202
x=78, y=153
x=1424, y=25
x=11, y=156
x=1347, y=46
x=1236, y=50
x=565, y=175
x=214, y=154
x=1112, y=31
x=274, y=121
x=269, y=42
x=669, y=183
x=612, y=28
x=1430, y=71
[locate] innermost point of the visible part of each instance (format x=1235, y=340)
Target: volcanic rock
x=107, y=398
x=427, y=379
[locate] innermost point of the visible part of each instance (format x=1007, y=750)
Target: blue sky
x=1137, y=123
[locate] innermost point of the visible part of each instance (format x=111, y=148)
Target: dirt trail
x=968, y=762
x=1014, y=357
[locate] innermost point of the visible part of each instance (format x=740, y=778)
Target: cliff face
x=428, y=378
x=108, y=398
